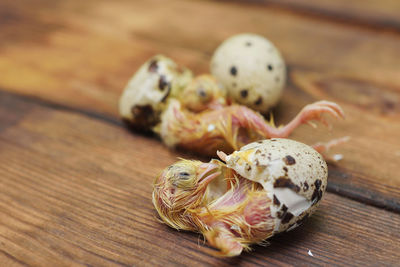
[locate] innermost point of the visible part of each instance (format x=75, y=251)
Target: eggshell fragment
x=293, y=174
x=251, y=69
x=146, y=93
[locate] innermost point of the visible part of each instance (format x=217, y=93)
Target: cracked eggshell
x=145, y=95
x=251, y=69
x=293, y=174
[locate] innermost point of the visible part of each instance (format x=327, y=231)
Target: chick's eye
x=203, y=94
x=184, y=175
x=184, y=180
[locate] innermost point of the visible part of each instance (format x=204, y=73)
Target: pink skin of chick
x=229, y=127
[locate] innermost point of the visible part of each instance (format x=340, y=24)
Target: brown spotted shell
x=293, y=174
x=145, y=95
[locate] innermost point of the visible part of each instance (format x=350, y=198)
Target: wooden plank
x=77, y=191
x=71, y=44
x=82, y=54
x=378, y=15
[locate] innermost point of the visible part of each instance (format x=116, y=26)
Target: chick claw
x=323, y=148
x=310, y=113
x=222, y=238
x=314, y=112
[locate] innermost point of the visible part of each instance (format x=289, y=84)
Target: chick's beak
x=207, y=172
x=217, y=103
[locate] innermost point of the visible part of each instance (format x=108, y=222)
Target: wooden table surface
x=75, y=184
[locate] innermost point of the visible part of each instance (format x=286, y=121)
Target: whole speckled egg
x=251, y=69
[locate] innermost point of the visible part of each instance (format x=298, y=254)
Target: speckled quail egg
x=144, y=98
x=251, y=69
x=293, y=174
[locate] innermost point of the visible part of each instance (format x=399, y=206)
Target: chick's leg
x=309, y=113
x=243, y=117
x=234, y=117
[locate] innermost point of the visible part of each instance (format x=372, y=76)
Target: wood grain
x=375, y=15
x=80, y=55
x=75, y=190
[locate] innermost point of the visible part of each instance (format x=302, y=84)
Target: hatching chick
x=230, y=219
x=203, y=93
x=266, y=187
x=230, y=127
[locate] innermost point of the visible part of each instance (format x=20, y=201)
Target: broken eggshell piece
x=145, y=95
x=294, y=176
